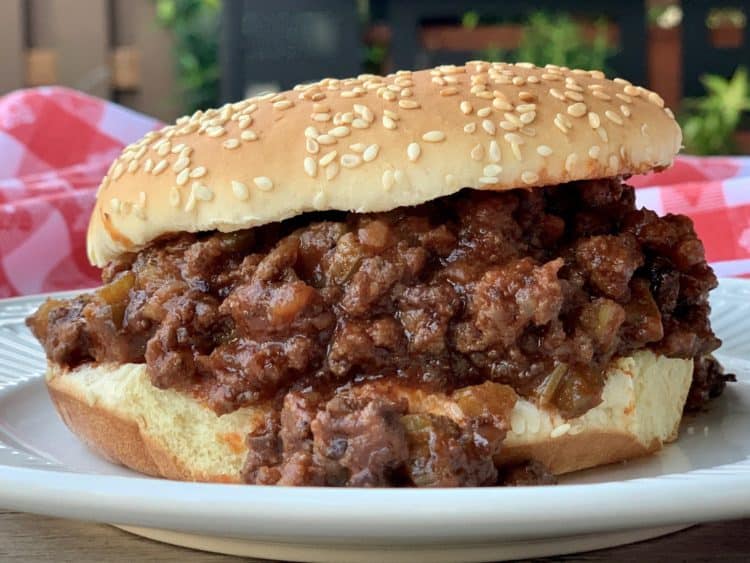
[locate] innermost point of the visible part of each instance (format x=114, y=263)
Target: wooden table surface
x=27, y=537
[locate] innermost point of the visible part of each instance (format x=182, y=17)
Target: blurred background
x=169, y=57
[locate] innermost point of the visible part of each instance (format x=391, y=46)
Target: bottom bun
x=120, y=414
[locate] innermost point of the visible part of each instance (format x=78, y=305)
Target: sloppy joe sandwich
x=431, y=278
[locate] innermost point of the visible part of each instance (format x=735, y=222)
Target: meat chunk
x=360, y=441
x=609, y=263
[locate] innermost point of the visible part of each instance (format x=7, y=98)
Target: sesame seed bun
x=376, y=143
x=118, y=412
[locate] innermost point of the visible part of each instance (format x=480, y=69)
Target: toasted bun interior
x=119, y=413
x=375, y=143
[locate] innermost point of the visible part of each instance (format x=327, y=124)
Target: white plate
x=704, y=476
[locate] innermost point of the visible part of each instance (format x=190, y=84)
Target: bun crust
x=376, y=143
x=121, y=415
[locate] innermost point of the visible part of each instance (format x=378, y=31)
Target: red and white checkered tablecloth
x=56, y=144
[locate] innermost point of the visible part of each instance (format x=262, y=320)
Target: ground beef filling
x=537, y=290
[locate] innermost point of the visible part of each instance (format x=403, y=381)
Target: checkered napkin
x=56, y=144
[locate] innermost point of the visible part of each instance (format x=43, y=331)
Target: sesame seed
x=139, y=211
x=216, y=131
x=387, y=180
x=388, y=122
x=644, y=129
x=613, y=117
x=508, y=126
x=371, y=153
x=263, y=183
x=543, y=150
x=594, y=120
x=614, y=162
x=602, y=132
x=492, y=170
x=622, y=152
x=575, y=96
x=174, y=196
x=147, y=167
x=312, y=146
x=160, y=167
x=522, y=65
x=311, y=132
x=559, y=124
x=485, y=95
x=190, y=204
x=597, y=74
x=477, y=153
x=321, y=117
x=513, y=138
x=118, y=171
x=488, y=127
x=332, y=170
x=319, y=201
x=631, y=90
x=132, y=166
x=494, y=151
x=413, y=151
x=519, y=81
x=625, y=110
x=231, y=144
x=551, y=77
x=669, y=113
x=577, y=110
x=310, y=166
x=392, y=114
x=358, y=147
x=656, y=99
x=115, y=204
x=408, y=104
x=528, y=117
x=516, y=150
x=450, y=91
x=470, y=127
x=601, y=95
x=523, y=108
x=164, y=148
x=594, y=151
x=240, y=190
x=465, y=107
x=341, y=131
x=488, y=180
x=201, y=191
x=625, y=98
x=595, y=86
x=450, y=182
x=555, y=93
x=433, y=136
x=183, y=176
x=326, y=140
x=327, y=158
x=360, y=123
x=621, y=81
x=501, y=104
x=248, y=135
x=533, y=79
x=198, y=172
x=573, y=86
x=570, y=162
x=438, y=80
x=283, y=104
x=389, y=96
x=528, y=177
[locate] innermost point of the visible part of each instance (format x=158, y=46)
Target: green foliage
x=729, y=17
x=554, y=38
x=195, y=27
x=709, y=122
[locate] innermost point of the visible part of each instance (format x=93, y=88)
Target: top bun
x=374, y=143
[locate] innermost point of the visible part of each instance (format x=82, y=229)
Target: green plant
x=726, y=17
x=554, y=38
x=709, y=122
x=195, y=27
